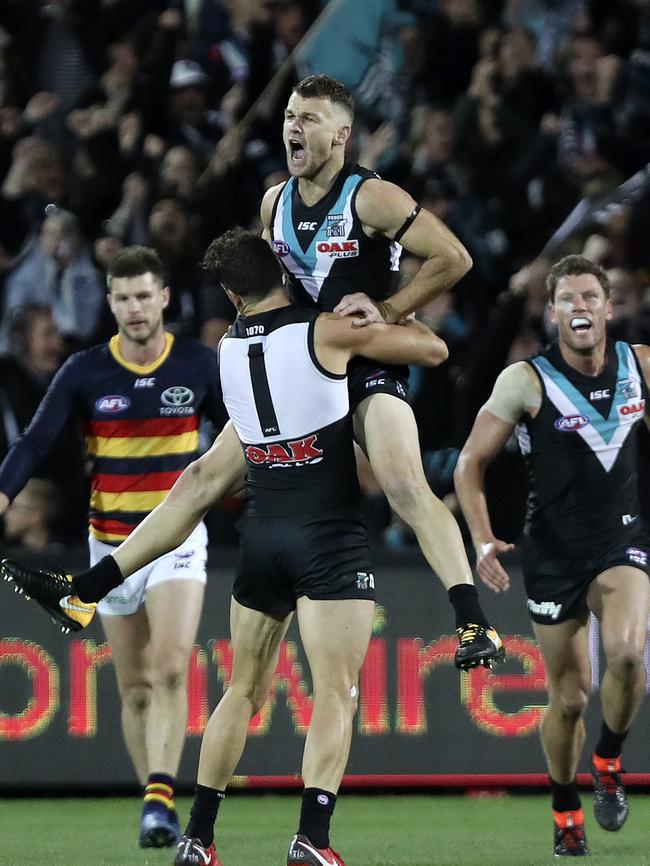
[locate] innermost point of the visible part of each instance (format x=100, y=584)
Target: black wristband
x=98, y=581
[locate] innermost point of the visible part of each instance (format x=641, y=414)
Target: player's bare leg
x=565, y=651
x=335, y=635
x=386, y=429
x=151, y=651
x=256, y=640
x=620, y=599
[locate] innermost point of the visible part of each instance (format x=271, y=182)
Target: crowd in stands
x=522, y=124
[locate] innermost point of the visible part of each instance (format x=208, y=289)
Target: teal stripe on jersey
x=606, y=427
x=308, y=259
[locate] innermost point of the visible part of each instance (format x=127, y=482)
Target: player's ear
x=342, y=134
x=165, y=293
x=609, y=310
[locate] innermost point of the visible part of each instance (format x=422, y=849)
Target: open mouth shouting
x=296, y=152
x=580, y=324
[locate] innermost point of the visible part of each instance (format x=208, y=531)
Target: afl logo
x=569, y=423
x=177, y=395
x=281, y=248
x=112, y=403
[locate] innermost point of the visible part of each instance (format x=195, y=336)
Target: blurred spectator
x=56, y=269
x=31, y=520
x=36, y=353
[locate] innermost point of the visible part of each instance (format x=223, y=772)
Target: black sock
x=565, y=797
x=610, y=743
x=464, y=598
x=315, y=814
x=98, y=581
x=203, y=814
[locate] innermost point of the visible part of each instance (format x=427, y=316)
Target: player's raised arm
x=386, y=209
x=492, y=429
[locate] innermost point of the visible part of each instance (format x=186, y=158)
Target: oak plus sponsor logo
x=111, y=404
x=281, y=249
x=549, y=609
x=571, y=423
x=299, y=452
x=177, y=400
x=339, y=249
x=632, y=408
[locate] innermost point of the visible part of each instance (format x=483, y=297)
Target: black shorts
x=366, y=377
x=282, y=558
x=554, y=598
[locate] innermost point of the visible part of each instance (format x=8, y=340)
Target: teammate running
x=574, y=407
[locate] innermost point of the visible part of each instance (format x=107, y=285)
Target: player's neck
x=273, y=301
x=145, y=353
x=590, y=363
x=313, y=189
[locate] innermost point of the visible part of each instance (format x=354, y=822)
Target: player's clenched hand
x=488, y=566
x=364, y=309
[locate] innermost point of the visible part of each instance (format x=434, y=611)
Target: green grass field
x=419, y=830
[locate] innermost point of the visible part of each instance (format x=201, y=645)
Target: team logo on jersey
x=281, y=248
x=630, y=389
x=112, y=403
x=570, y=423
x=637, y=555
x=335, y=225
x=300, y=452
x=339, y=249
x=177, y=400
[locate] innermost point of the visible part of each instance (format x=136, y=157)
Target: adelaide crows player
x=140, y=398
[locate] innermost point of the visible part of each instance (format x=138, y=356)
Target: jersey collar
x=142, y=369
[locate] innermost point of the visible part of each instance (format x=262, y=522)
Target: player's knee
x=625, y=662
x=137, y=697
x=570, y=698
x=171, y=673
x=404, y=491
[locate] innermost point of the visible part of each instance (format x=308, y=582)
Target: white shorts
x=186, y=562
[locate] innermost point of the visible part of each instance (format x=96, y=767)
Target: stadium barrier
x=420, y=723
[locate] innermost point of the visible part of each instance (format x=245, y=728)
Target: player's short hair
x=326, y=87
x=133, y=262
x=574, y=266
x=244, y=263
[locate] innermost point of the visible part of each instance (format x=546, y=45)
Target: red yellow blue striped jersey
x=141, y=425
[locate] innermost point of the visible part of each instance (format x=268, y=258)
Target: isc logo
x=147, y=382
x=304, y=226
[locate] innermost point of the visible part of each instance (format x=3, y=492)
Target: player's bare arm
x=643, y=354
x=384, y=208
x=266, y=209
x=337, y=340
x=219, y=472
x=516, y=393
